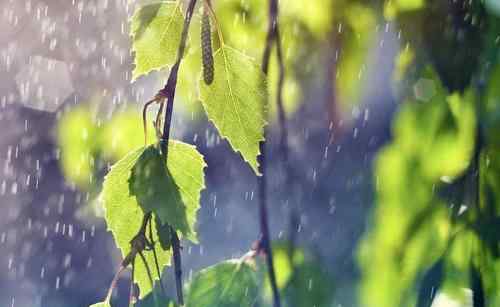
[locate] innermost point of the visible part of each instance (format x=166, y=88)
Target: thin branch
x=265, y=243
x=114, y=282
x=168, y=92
x=176, y=247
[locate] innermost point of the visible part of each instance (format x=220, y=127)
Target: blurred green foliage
x=302, y=278
x=435, y=225
x=433, y=144
x=87, y=144
x=76, y=135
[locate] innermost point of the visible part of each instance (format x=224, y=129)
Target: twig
x=177, y=265
x=168, y=90
x=114, y=282
x=265, y=244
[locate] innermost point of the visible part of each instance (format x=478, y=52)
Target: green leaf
x=159, y=301
x=171, y=192
x=124, y=217
x=156, y=32
x=101, y=304
x=164, y=234
x=393, y=7
x=309, y=285
x=446, y=142
x=301, y=280
x=412, y=224
x=360, y=35
x=231, y=283
x=235, y=102
x=137, y=183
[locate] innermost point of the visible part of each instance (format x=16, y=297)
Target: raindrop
x=58, y=281
x=67, y=261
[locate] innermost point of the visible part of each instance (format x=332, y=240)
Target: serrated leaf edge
x=265, y=110
x=135, y=76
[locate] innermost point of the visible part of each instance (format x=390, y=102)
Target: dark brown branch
x=265, y=241
x=177, y=265
x=168, y=92
x=138, y=242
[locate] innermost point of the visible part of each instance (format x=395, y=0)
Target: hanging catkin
x=206, y=48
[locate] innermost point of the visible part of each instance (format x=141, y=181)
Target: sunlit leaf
x=156, y=32
x=301, y=279
x=393, y=7
x=235, y=102
x=124, y=217
x=102, y=304
x=309, y=285
x=156, y=298
x=172, y=192
x=231, y=283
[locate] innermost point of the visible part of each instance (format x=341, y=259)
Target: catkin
x=206, y=49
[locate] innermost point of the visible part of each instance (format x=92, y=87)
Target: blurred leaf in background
x=76, y=133
x=433, y=145
x=302, y=278
x=358, y=36
x=231, y=283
